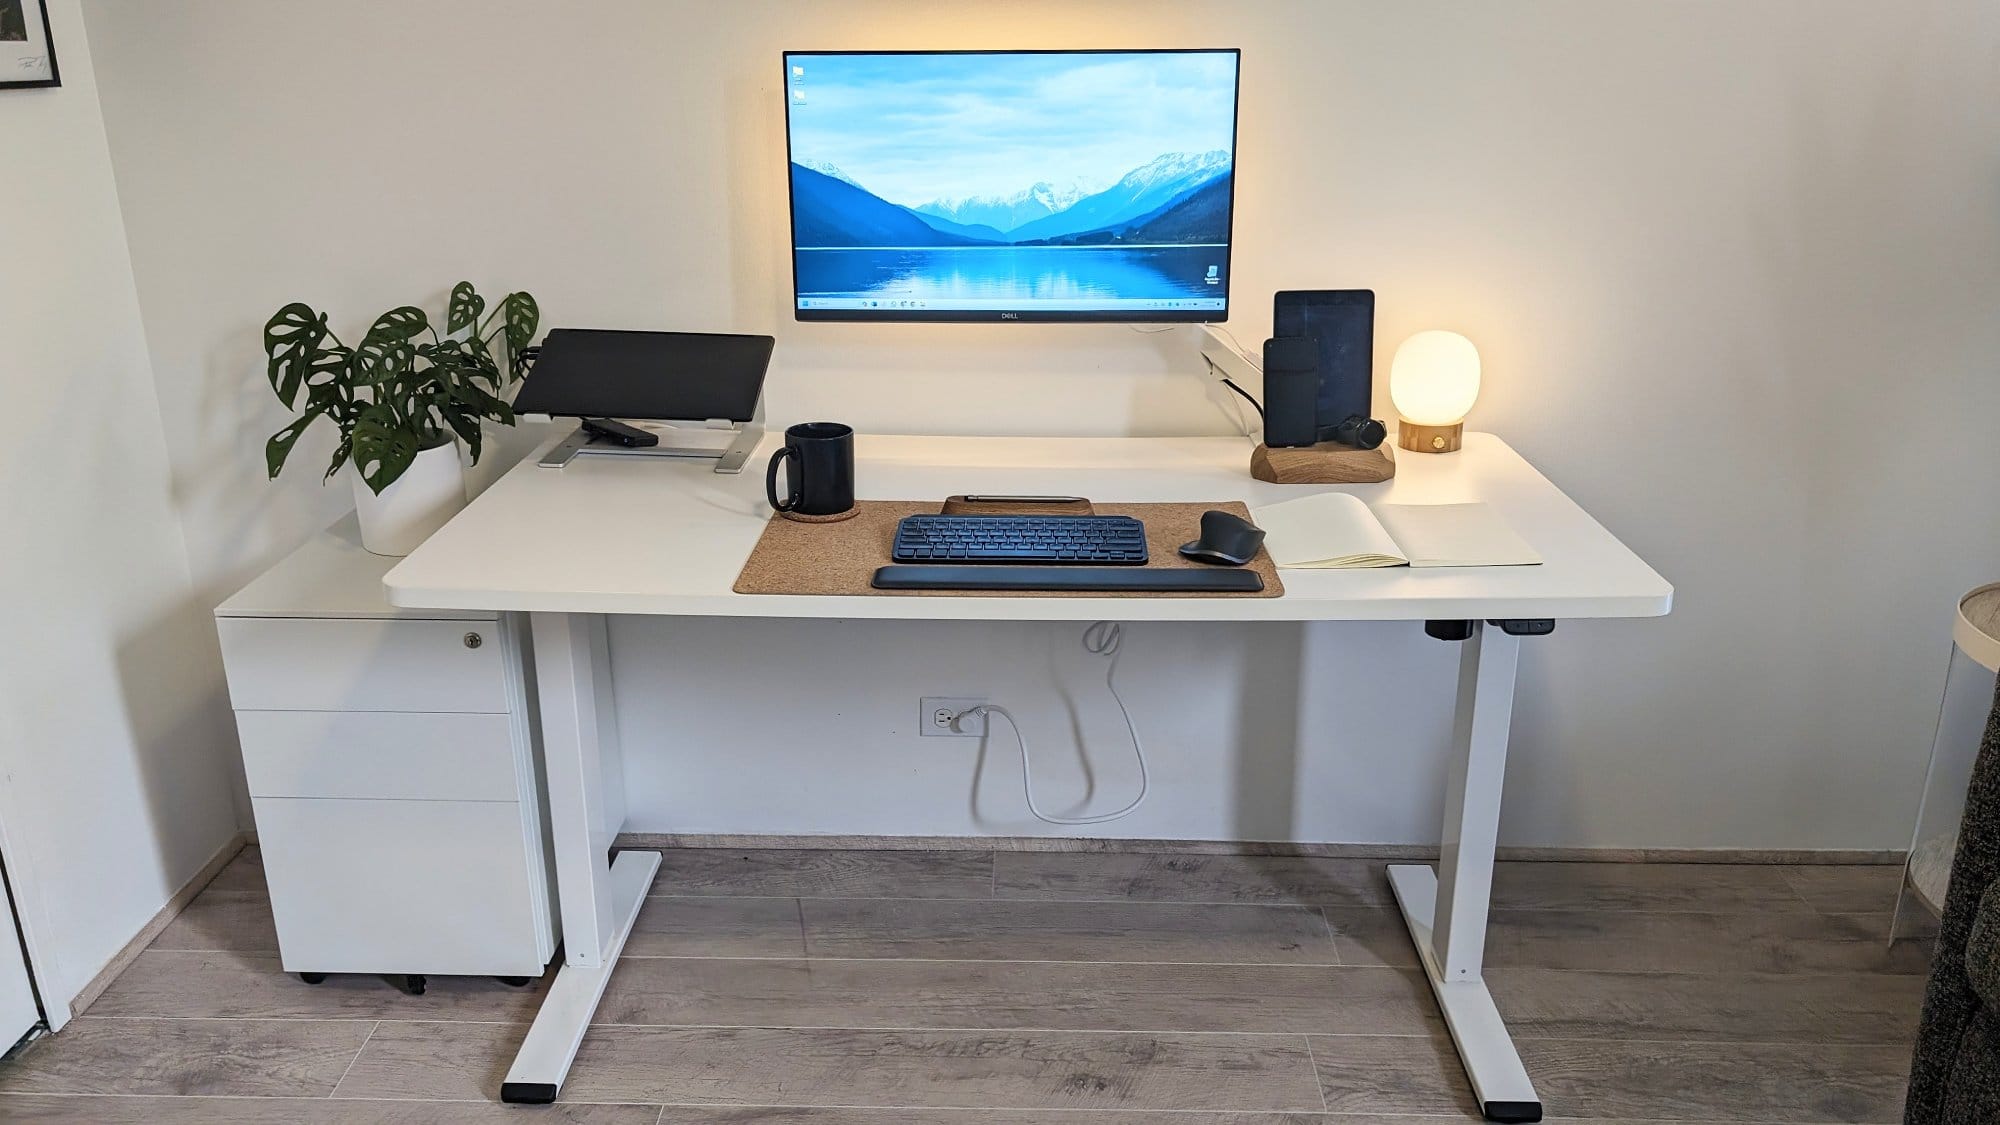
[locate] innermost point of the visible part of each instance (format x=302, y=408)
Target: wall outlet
x=934, y=717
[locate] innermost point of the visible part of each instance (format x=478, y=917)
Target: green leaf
x=480, y=365
x=382, y=448
x=474, y=399
x=523, y=316
x=399, y=324
x=464, y=309
x=379, y=360
x=341, y=453
x=465, y=425
x=291, y=339
x=281, y=443
x=326, y=366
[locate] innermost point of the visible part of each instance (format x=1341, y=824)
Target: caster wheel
x=312, y=978
x=514, y=982
x=415, y=983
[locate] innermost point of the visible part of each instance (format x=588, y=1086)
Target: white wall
x=114, y=779
x=1731, y=266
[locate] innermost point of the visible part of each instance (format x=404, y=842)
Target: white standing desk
x=617, y=535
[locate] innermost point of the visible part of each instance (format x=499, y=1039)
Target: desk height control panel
x=391, y=757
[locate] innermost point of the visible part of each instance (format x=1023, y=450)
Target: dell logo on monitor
x=1010, y=316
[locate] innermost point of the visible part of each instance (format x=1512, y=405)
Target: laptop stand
x=677, y=440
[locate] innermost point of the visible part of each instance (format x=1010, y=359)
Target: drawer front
x=403, y=887
x=408, y=756
x=325, y=664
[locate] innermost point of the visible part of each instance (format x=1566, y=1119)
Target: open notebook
x=1335, y=530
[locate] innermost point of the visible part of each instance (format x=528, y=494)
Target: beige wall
x=1731, y=265
x=114, y=747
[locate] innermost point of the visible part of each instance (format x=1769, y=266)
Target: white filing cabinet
x=393, y=763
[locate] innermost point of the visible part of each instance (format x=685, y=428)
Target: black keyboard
x=1066, y=578
x=1102, y=540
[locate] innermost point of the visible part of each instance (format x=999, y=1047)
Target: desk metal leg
x=1446, y=909
x=599, y=897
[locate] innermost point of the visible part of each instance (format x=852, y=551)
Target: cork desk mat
x=841, y=558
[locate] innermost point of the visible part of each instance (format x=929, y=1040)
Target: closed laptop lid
x=611, y=373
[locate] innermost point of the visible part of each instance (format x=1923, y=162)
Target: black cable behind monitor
x=1232, y=385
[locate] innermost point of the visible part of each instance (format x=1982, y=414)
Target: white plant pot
x=430, y=492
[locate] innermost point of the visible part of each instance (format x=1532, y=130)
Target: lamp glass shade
x=1434, y=379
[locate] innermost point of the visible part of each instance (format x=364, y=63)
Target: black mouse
x=1226, y=538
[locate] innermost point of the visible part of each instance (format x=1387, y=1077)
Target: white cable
x=1103, y=639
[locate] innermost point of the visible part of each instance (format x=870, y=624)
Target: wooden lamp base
x=1329, y=462
x=1430, y=439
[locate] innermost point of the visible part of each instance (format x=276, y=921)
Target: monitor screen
x=1031, y=185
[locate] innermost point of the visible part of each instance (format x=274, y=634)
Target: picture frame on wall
x=27, y=47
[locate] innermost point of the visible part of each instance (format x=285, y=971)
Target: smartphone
x=1342, y=322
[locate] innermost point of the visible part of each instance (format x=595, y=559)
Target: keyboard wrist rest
x=1067, y=578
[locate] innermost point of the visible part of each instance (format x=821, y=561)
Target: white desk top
x=668, y=536
x=330, y=576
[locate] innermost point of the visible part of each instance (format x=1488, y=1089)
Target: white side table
x=1962, y=715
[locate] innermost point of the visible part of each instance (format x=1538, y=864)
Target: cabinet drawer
x=408, y=756
x=404, y=887
x=360, y=664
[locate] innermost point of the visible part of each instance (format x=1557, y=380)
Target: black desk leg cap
x=542, y=1093
x=1513, y=1111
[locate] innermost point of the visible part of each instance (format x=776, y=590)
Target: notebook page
x=1454, y=535
x=1325, y=531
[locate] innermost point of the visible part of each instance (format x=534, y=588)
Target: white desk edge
x=645, y=536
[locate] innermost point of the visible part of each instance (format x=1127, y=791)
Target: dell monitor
x=1011, y=185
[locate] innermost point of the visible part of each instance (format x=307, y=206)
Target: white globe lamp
x=1433, y=381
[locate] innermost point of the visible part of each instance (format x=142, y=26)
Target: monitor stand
x=728, y=443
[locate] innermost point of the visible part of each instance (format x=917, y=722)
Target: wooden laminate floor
x=952, y=988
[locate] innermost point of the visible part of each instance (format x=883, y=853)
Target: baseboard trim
x=1248, y=847
x=129, y=953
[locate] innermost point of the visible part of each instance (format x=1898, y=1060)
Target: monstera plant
x=405, y=387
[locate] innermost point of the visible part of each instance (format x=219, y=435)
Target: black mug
x=822, y=473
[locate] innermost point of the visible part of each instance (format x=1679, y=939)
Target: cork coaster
x=794, y=557
x=837, y=517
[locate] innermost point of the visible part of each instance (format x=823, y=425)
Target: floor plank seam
x=1319, y=1082
x=805, y=932
x=1431, y=1035
x=335, y=1091
x=1272, y=904
x=824, y=959
x=1332, y=935
x=1805, y=909
x=1022, y=1030
x=1785, y=877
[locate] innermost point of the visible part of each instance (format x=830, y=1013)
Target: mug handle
x=771, y=481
